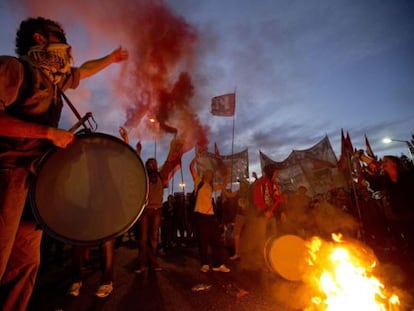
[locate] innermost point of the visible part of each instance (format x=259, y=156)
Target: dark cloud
x=301, y=69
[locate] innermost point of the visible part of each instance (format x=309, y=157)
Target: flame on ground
x=342, y=274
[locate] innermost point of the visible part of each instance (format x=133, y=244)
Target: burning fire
x=342, y=275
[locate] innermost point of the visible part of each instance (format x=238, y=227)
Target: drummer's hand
x=60, y=138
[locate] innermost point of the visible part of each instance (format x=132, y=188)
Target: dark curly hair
x=28, y=27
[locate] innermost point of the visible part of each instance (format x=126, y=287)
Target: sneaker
x=74, y=289
x=104, y=290
x=205, y=268
x=222, y=268
x=235, y=257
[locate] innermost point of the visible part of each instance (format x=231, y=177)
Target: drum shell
x=93, y=190
x=287, y=256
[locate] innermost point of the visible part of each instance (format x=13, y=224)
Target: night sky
x=300, y=69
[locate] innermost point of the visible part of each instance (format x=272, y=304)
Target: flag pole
x=182, y=177
x=349, y=161
x=172, y=185
x=232, y=143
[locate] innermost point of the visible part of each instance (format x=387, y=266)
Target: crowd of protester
x=231, y=228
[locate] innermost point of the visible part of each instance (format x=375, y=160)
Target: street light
x=388, y=140
x=182, y=186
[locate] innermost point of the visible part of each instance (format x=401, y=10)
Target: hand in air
x=123, y=132
x=60, y=138
x=139, y=147
x=119, y=55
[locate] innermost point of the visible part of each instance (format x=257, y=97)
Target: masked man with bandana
x=30, y=107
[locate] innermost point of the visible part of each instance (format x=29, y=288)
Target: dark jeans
x=209, y=236
x=149, y=226
x=107, y=262
x=19, y=242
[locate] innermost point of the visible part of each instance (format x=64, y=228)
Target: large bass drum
x=92, y=191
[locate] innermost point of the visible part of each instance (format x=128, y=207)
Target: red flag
x=223, y=105
x=173, y=161
x=342, y=162
x=370, y=153
x=348, y=144
x=347, y=150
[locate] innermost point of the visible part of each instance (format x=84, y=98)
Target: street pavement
x=170, y=289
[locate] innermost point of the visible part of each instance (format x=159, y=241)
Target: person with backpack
x=30, y=106
x=206, y=221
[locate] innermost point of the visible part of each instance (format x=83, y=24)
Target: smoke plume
x=155, y=83
x=160, y=83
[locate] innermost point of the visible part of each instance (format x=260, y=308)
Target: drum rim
x=53, y=233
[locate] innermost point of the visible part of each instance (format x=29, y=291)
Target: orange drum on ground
x=286, y=255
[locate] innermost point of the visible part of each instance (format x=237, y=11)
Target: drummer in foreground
x=30, y=108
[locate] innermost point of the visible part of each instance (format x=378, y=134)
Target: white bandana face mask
x=54, y=59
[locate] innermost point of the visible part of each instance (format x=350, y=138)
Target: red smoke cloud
x=156, y=82
x=165, y=45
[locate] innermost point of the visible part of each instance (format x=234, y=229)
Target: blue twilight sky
x=301, y=69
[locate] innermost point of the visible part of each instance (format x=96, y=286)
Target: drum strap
x=81, y=120
x=69, y=103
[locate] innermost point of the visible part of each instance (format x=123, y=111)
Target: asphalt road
x=170, y=289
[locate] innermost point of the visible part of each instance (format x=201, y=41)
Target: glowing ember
x=342, y=275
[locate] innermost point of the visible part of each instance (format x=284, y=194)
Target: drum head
x=92, y=191
x=287, y=256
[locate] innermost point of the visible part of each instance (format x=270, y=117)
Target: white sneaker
x=74, y=289
x=205, y=268
x=104, y=290
x=222, y=268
